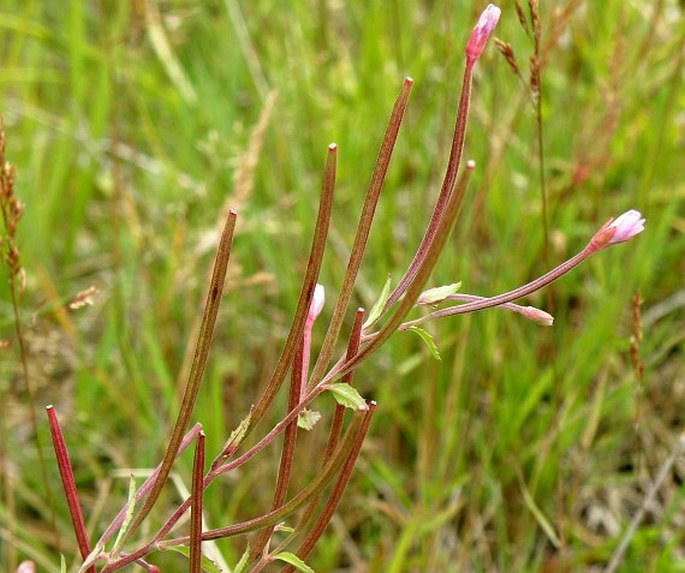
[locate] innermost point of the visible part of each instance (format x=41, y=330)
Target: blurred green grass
x=128, y=123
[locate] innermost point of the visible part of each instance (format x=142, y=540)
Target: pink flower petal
x=626, y=226
x=617, y=230
x=481, y=32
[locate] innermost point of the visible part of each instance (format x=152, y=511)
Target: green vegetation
x=134, y=126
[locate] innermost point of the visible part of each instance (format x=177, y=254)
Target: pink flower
x=26, y=567
x=316, y=306
x=618, y=230
x=626, y=226
x=481, y=32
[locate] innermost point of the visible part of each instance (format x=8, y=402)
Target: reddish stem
x=204, y=341
x=500, y=299
x=456, y=152
x=352, y=349
x=306, y=291
x=361, y=236
x=336, y=493
x=145, y=487
x=288, y=452
x=69, y=484
x=196, y=505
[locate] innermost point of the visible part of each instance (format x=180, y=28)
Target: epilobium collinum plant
x=316, y=502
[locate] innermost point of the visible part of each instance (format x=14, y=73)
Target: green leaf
x=378, y=306
x=543, y=522
x=285, y=528
x=295, y=561
x=240, y=567
x=62, y=564
x=347, y=396
x=438, y=294
x=130, y=505
x=428, y=339
x=205, y=562
x=307, y=419
x=238, y=434
x=92, y=558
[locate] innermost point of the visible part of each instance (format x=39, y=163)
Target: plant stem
x=216, y=287
x=196, y=506
x=348, y=446
x=313, y=488
x=69, y=485
x=288, y=451
x=456, y=152
x=418, y=281
x=361, y=236
x=145, y=487
x=335, y=496
x=500, y=299
x=306, y=291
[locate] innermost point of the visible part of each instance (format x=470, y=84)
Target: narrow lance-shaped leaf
x=438, y=294
x=294, y=560
x=428, y=339
x=244, y=560
x=379, y=306
x=234, y=439
x=130, y=506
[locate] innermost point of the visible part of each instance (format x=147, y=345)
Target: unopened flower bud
x=318, y=300
x=618, y=230
x=481, y=32
x=538, y=316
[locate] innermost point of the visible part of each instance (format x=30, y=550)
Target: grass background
x=134, y=125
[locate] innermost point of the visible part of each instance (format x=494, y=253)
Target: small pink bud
x=481, y=32
x=538, y=316
x=317, y=303
x=26, y=567
x=618, y=230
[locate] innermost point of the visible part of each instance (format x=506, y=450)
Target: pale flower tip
x=318, y=300
x=626, y=226
x=481, y=32
x=26, y=567
x=538, y=316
